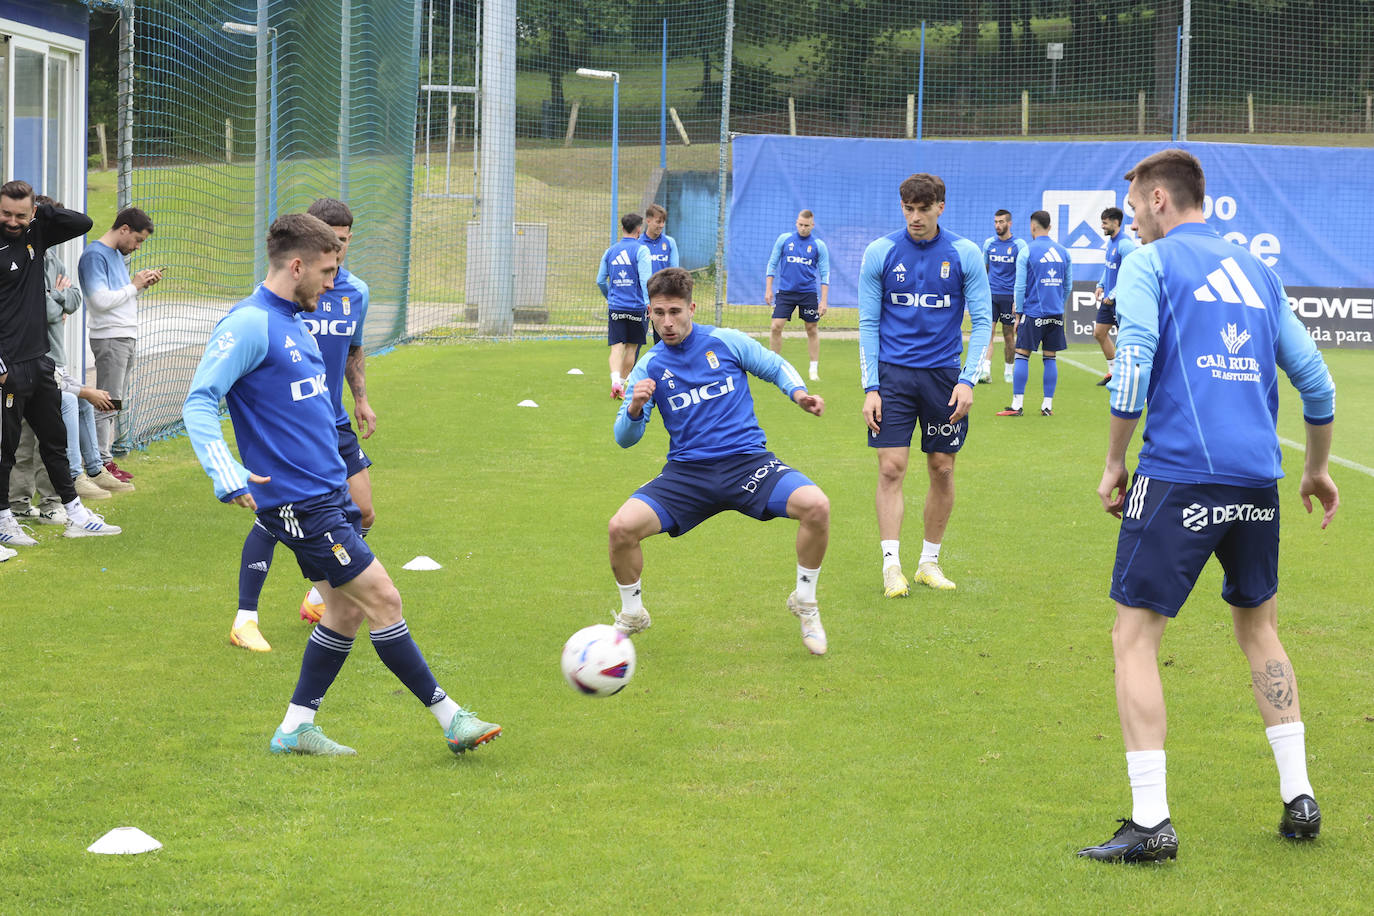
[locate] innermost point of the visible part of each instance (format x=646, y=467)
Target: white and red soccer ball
x=598, y=660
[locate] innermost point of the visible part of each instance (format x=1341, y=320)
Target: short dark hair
x=1041, y=218
x=16, y=190
x=671, y=283
x=631, y=222
x=655, y=210
x=331, y=212
x=1178, y=170
x=1002, y=213
x=922, y=189
x=1113, y=213
x=134, y=218
x=299, y=234
x=41, y=199
x=806, y=214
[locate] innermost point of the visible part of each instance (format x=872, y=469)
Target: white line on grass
x=1335, y=459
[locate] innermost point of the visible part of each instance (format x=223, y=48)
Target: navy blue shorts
x=1168, y=530
x=687, y=493
x=626, y=328
x=1048, y=331
x=1106, y=312
x=323, y=534
x=1003, y=308
x=805, y=303
x=351, y=450
x=918, y=397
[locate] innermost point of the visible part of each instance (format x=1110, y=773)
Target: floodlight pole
x=614, y=79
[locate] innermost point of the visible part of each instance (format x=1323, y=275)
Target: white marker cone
x=124, y=841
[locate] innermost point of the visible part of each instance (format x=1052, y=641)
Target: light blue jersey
x=799, y=263
x=1000, y=258
x=1118, y=246
x=1044, y=279
x=662, y=251
x=1204, y=328
x=912, y=297
x=701, y=390
x=623, y=277
x=337, y=326
x=263, y=360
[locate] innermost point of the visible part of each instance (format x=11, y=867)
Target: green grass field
x=949, y=754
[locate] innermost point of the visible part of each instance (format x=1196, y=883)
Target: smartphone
x=118, y=403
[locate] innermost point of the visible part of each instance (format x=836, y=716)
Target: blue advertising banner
x=1299, y=209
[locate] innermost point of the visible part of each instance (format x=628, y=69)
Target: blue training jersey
x=337, y=326
x=1044, y=279
x=798, y=263
x=1118, y=246
x=264, y=362
x=623, y=277
x=999, y=259
x=1204, y=328
x=912, y=297
x=701, y=391
x=662, y=251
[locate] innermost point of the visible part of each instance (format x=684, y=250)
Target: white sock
x=1290, y=753
x=806, y=583
x=296, y=716
x=315, y=597
x=1047, y=404
x=444, y=710
x=985, y=366
x=76, y=512
x=930, y=553
x=243, y=617
x=892, y=556
x=630, y=596
x=615, y=378
x=1007, y=369
x=1016, y=400
x=815, y=367
x=1150, y=806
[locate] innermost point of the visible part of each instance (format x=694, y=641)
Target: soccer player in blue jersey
x=801, y=264
x=914, y=286
x=1205, y=327
x=624, y=272
x=337, y=326
x=1119, y=244
x=697, y=378
x=1044, y=283
x=1001, y=254
x=263, y=360
x=662, y=247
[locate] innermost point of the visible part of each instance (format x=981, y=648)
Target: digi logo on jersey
x=308, y=387
x=711, y=390
x=922, y=300
x=797, y=259
x=335, y=327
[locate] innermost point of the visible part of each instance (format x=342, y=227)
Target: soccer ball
x=598, y=660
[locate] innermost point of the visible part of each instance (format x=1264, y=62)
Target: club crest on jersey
x=347, y=309
x=341, y=555
x=9, y=401
x=30, y=247
x=711, y=359
x=944, y=270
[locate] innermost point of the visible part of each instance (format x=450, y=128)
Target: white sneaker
x=14, y=534
x=815, y=376
x=54, y=515
x=894, y=583
x=88, y=524
x=1006, y=376
x=6, y=553
x=632, y=622
x=809, y=613
x=930, y=574
x=984, y=373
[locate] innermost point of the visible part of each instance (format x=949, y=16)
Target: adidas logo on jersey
x=289, y=341
x=900, y=268
x=260, y=566
x=1230, y=284
x=1051, y=257
x=622, y=258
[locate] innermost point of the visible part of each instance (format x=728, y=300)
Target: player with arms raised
x=264, y=362
x=697, y=378
x=1205, y=327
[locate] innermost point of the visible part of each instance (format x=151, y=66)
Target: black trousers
x=30, y=394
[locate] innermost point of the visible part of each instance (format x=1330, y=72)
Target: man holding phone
x=112, y=315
